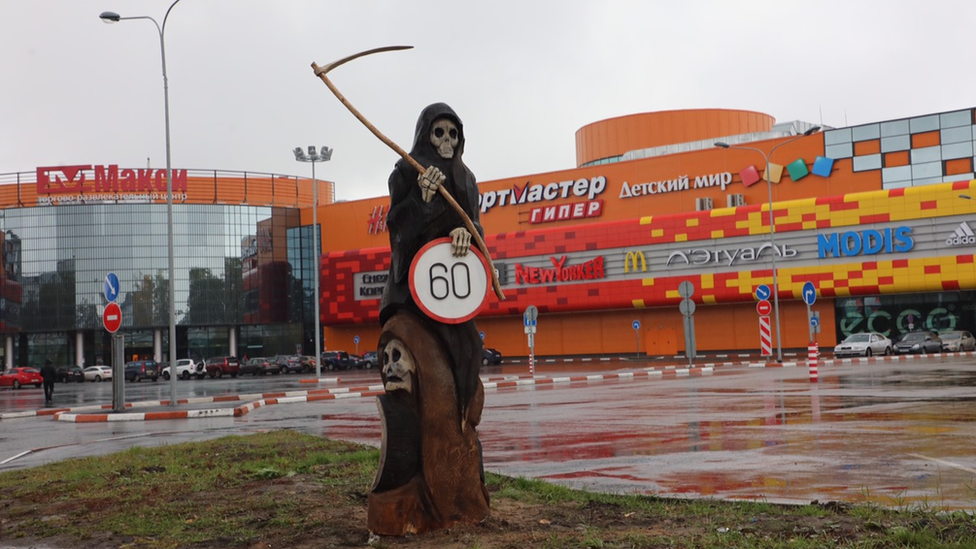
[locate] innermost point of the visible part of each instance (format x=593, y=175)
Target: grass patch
x=286, y=489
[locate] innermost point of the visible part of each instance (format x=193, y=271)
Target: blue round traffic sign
x=111, y=287
x=356, y=340
x=762, y=292
x=636, y=324
x=809, y=293
x=814, y=321
x=482, y=334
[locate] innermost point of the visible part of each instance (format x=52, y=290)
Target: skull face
x=398, y=367
x=444, y=137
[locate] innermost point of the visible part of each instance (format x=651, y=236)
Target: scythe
x=469, y=225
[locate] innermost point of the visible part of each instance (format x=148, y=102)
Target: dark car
x=138, y=370
x=220, y=366
x=337, y=360
x=919, y=342
x=370, y=359
x=491, y=357
x=70, y=373
x=259, y=366
x=290, y=363
x=357, y=361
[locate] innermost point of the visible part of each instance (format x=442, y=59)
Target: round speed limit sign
x=449, y=289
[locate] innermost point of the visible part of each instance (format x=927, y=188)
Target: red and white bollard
x=813, y=350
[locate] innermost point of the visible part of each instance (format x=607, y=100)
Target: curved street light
x=112, y=17
x=772, y=226
x=324, y=156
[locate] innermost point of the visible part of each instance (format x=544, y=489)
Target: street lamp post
x=323, y=156
x=772, y=228
x=112, y=17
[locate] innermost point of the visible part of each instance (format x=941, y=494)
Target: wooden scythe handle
x=480, y=242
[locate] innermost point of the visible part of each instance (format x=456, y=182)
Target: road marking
x=946, y=463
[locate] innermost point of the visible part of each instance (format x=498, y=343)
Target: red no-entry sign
x=112, y=317
x=763, y=308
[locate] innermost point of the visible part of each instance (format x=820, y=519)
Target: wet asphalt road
x=894, y=432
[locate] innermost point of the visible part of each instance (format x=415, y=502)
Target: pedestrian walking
x=50, y=375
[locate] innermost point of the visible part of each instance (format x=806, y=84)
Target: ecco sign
x=590, y=188
x=869, y=242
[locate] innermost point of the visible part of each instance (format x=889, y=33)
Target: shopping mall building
x=875, y=216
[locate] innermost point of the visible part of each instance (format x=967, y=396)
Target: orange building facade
x=874, y=216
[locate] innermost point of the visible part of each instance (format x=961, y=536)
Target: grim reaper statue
x=431, y=474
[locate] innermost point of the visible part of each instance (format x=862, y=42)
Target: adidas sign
x=962, y=236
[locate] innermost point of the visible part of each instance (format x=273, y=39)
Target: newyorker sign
x=86, y=184
x=559, y=272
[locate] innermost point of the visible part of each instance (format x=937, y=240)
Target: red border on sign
x=413, y=291
x=114, y=307
x=763, y=306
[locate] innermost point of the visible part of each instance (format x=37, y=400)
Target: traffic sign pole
x=530, y=319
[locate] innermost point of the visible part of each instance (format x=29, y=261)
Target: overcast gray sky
x=523, y=75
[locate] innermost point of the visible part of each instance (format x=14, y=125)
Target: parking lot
x=891, y=430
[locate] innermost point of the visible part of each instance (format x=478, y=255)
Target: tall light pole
x=112, y=17
x=772, y=228
x=323, y=156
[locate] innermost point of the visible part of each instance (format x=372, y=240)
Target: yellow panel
x=638, y=303
x=718, y=234
x=691, y=222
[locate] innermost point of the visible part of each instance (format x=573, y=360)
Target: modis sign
x=87, y=183
x=869, y=242
x=590, y=188
x=560, y=272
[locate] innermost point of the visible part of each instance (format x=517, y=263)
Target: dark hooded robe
x=412, y=223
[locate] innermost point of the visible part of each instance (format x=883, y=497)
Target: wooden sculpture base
x=430, y=475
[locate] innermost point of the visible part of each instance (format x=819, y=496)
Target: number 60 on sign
x=447, y=288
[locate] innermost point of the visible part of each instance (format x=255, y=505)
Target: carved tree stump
x=430, y=475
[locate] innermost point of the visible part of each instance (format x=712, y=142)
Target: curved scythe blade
x=328, y=67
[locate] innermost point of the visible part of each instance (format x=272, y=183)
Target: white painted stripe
x=22, y=454
x=946, y=463
x=213, y=412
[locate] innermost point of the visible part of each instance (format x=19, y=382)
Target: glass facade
x=234, y=272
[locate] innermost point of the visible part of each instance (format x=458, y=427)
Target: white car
x=958, y=340
x=185, y=368
x=98, y=373
x=863, y=344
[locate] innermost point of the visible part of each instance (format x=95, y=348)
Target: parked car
x=337, y=360
x=490, y=357
x=97, y=373
x=18, y=377
x=919, y=342
x=290, y=363
x=863, y=344
x=70, y=373
x=137, y=370
x=370, y=359
x=220, y=366
x=357, y=361
x=958, y=340
x=185, y=369
x=259, y=365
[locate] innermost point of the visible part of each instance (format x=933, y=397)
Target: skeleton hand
x=429, y=181
x=460, y=242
